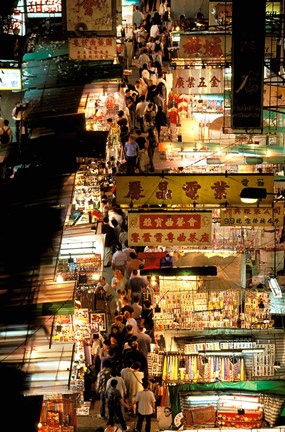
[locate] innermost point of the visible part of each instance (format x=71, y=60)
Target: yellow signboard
x=257, y=216
x=170, y=228
x=188, y=189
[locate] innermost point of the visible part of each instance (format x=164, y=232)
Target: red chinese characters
x=164, y=222
x=135, y=189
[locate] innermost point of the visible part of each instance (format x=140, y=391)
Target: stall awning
x=182, y=271
x=36, y=205
x=30, y=344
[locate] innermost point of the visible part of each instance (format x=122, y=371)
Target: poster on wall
x=97, y=322
x=97, y=16
x=170, y=228
x=81, y=324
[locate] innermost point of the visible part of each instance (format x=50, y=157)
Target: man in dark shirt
x=135, y=355
x=140, y=140
x=136, y=284
x=130, y=103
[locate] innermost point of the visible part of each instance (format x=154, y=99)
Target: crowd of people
x=119, y=370
x=145, y=109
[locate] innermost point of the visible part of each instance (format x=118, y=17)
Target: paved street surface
x=92, y=422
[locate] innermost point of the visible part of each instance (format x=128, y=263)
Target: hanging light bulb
x=59, y=278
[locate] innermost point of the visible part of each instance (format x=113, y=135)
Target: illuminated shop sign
x=99, y=16
x=258, y=216
x=201, y=81
x=10, y=79
x=185, y=189
x=35, y=9
x=103, y=48
x=41, y=8
x=217, y=46
x=170, y=228
x=204, y=46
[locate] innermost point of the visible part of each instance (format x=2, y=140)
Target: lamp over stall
x=275, y=287
x=251, y=195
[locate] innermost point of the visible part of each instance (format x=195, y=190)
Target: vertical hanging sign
x=248, y=40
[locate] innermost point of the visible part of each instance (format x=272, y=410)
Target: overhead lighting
x=214, y=161
x=251, y=195
x=275, y=288
x=96, y=276
x=253, y=160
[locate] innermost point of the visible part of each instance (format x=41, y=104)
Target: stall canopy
x=36, y=205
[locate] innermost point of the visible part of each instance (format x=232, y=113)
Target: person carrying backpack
x=6, y=133
x=115, y=402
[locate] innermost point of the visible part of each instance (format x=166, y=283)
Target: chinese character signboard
x=91, y=16
x=248, y=37
x=41, y=8
x=198, y=81
x=185, y=189
x=103, y=48
x=208, y=46
x=170, y=228
x=204, y=46
x=257, y=216
x=35, y=8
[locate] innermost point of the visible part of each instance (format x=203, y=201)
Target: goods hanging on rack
x=58, y=413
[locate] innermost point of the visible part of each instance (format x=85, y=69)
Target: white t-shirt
x=154, y=31
x=144, y=401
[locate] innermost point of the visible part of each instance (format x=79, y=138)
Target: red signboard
x=169, y=228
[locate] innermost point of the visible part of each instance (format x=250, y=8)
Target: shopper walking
x=101, y=382
x=160, y=120
x=152, y=145
x=134, y=384
x=145, y=406
x=115, y=403
x=132, y=152
x=140, y=109
x=110, y=241
x=119, y=258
